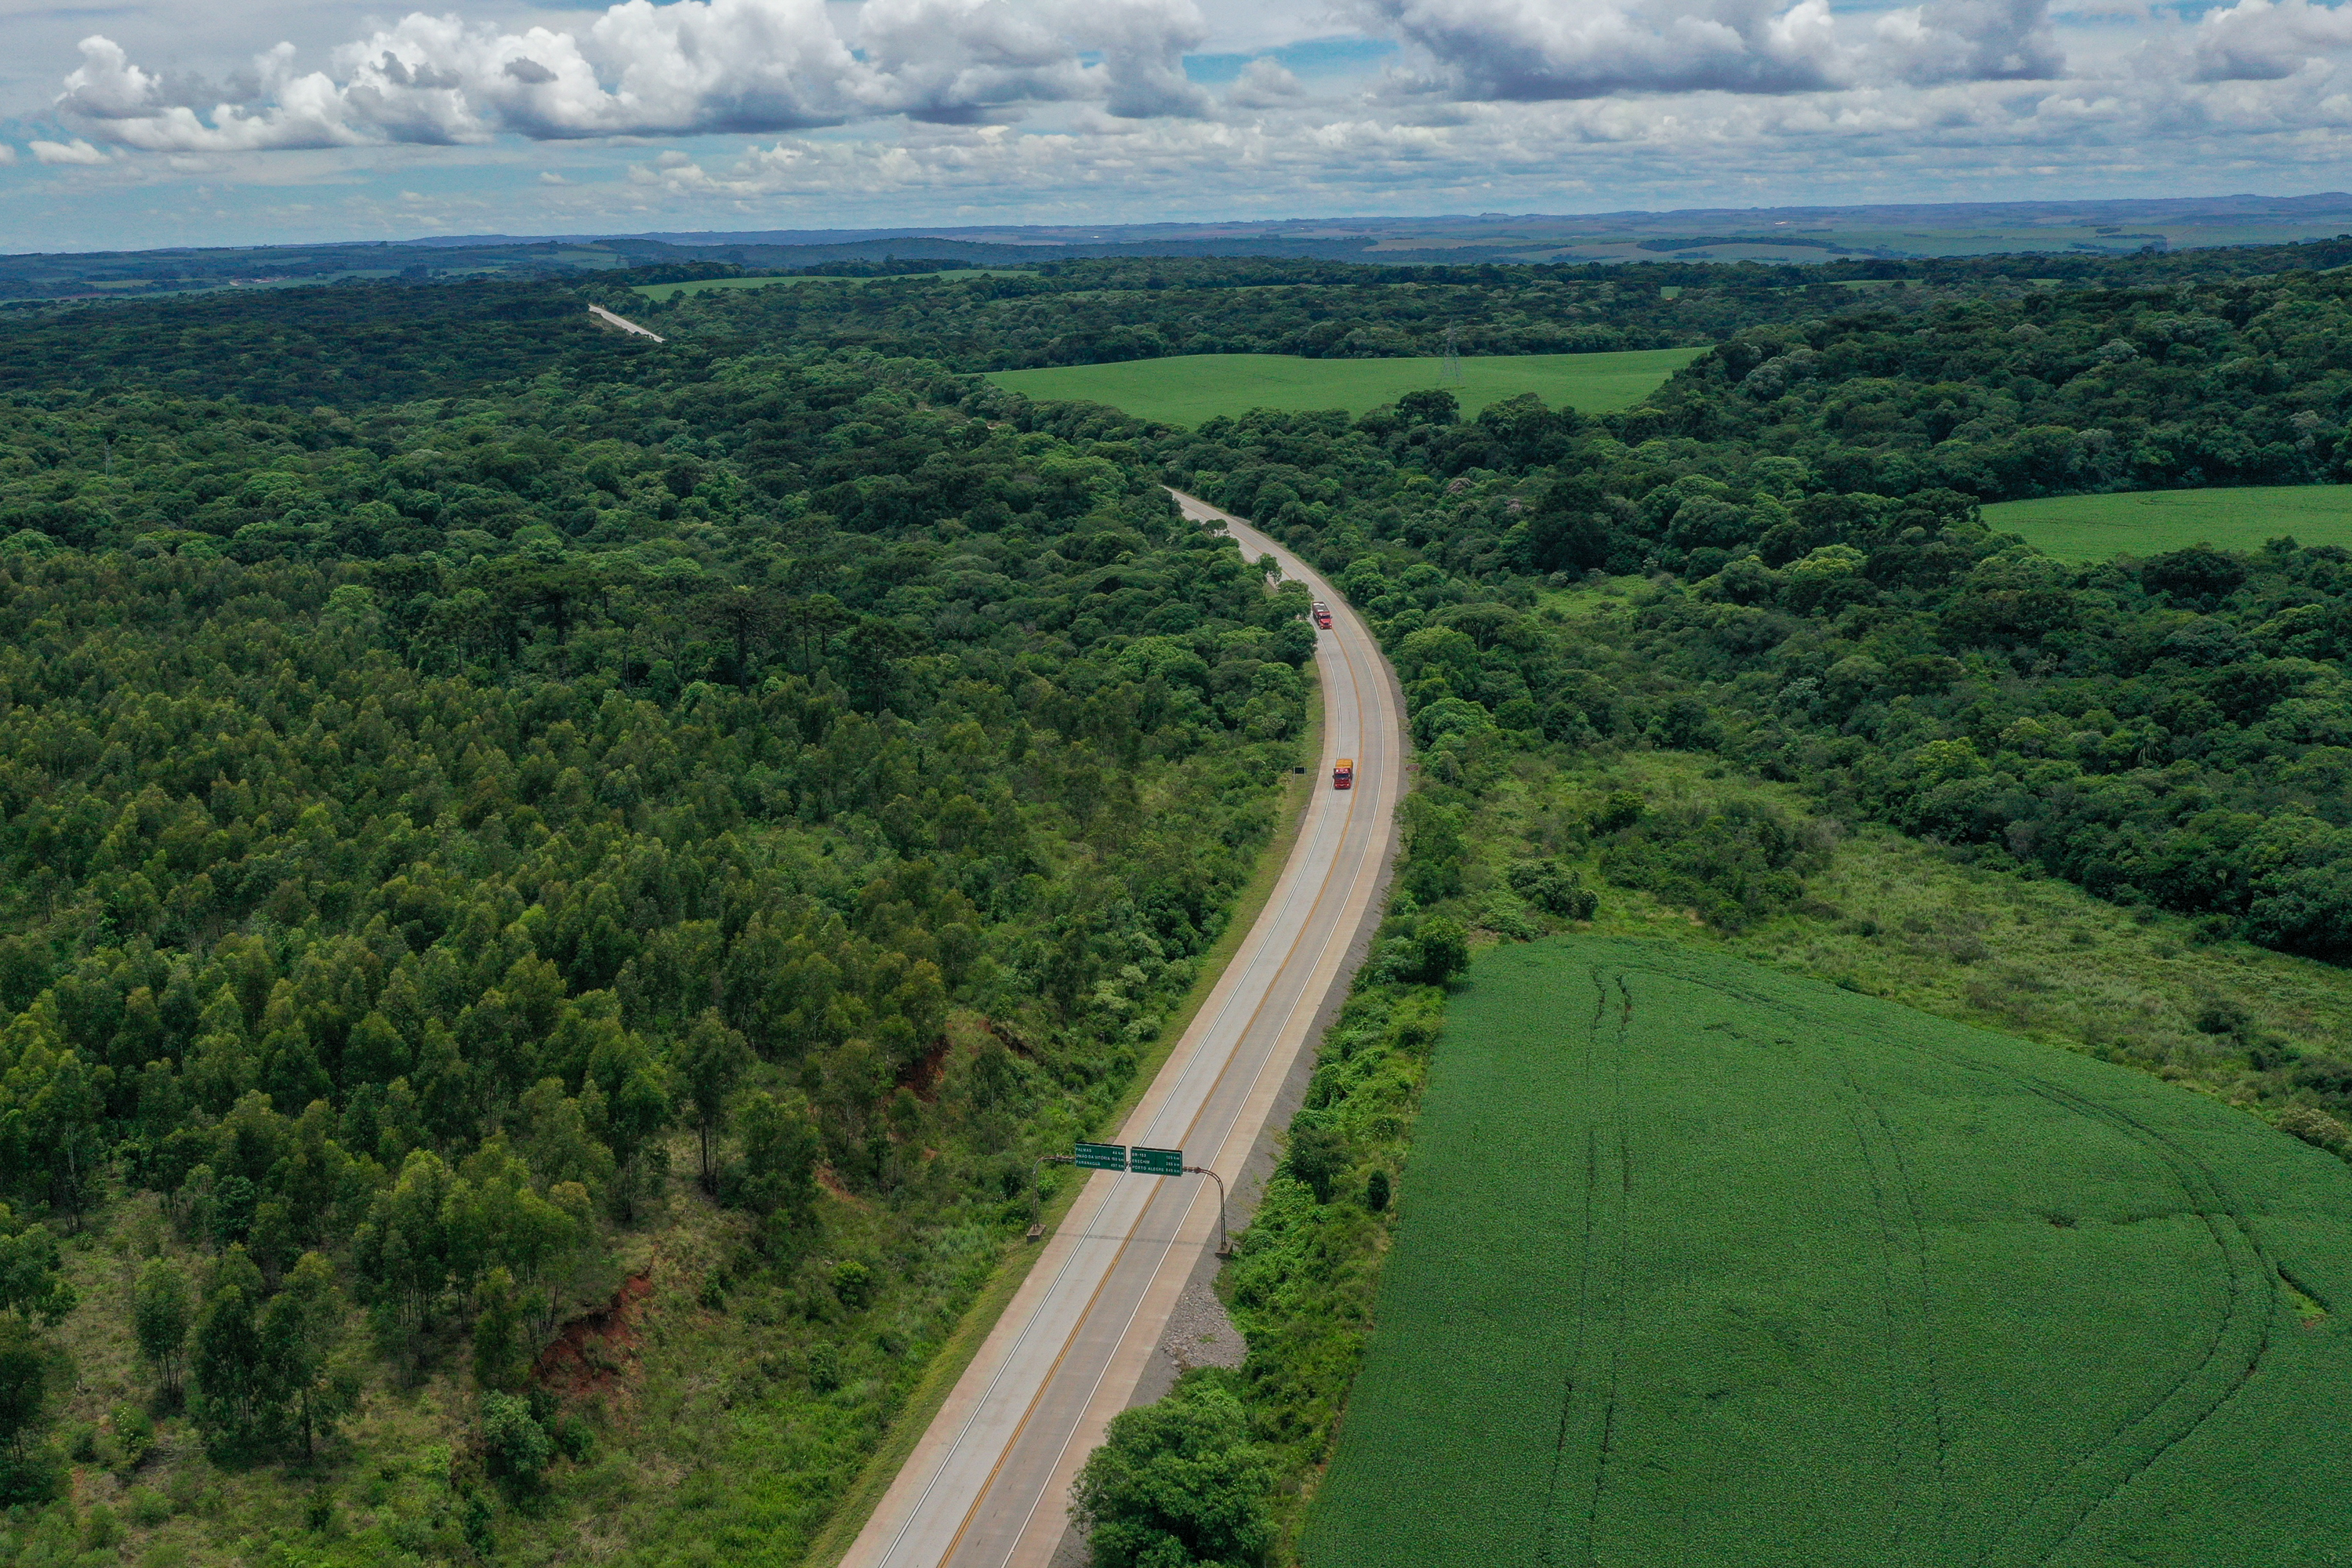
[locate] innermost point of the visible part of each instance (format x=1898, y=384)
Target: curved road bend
x=988, y=1486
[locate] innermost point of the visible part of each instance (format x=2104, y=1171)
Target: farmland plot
x=1188, y=389
x=1703, y=1264
x=2147, y=523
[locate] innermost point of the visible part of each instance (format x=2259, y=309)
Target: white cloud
x=2265, y=40
x=1538, y=51
x=696, y=66
x=1970, y=40
x=1265, y=84
x=1952, y=141
x=8, y=154
x=1082, y=108
x=74, y=151
x=1533, y=50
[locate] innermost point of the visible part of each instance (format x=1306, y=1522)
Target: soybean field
x=1703, y=1264
x=2145, y=522
x=1189, y=389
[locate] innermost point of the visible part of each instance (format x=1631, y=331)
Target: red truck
x=1322, y=615
x=1343, y=773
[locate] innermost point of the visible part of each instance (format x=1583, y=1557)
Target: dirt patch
x=831, y=1183
x=594, y=1352
x=922, y=1074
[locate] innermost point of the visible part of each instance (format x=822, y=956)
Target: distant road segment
x=623, y=322
x=989, y=1483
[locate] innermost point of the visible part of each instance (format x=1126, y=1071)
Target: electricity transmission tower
x=1450, y=372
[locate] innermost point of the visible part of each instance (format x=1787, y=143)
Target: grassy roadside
x=1966, y=936
x=915, y=1418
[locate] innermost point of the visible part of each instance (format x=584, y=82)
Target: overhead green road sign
x=1102, y=1156
x=1156, y=1161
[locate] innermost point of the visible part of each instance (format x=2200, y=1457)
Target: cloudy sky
x=137, y=122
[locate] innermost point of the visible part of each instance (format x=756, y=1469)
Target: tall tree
x=301, y=1332
x=746, y=616
x=235, y=1404
x=29, y=1376
x=781, y=1146
x=711, y=1061
x=162, y=1310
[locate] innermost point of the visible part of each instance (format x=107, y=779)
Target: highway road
x=988, y=1485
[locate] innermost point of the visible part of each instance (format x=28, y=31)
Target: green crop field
x=1188, y=389
x=2095, y=528
x=705, y=285
x=1704, y=1265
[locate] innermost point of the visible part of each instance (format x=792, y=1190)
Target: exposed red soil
x=831, y=1183
x=592, y=1351
x=922, y=1074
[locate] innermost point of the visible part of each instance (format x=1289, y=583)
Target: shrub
x=1620, y=810
x=2222, y=1016
x=1441, y=950
x=1553, y=888
x=852, y=1282
x=1318, y=1153
x=131, y=1439
x=474, y=1518
x=1736, y=862
x=2317, y=1129
x=1178, y=1483
x=515, y=1447
x=573, y=1438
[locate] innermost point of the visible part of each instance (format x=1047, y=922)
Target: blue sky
x=133, y=123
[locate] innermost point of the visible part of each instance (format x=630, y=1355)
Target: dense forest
x=498, y=818
x=2173, y=729
x=1091, y=313
x=426, y=827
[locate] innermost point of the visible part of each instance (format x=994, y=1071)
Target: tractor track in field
x=1545, y=1536
x=1906, y=1255
x=1622, y=1272
x=2054, y=1517
x=1906, y=1300
x=1596, y=1362
x=2252, y=1309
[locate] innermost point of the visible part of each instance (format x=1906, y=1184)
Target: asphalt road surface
x=989, y=1483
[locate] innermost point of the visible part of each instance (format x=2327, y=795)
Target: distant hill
x=1780, y=235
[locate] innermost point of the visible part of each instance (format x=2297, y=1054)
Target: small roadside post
x=1037, y=1193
